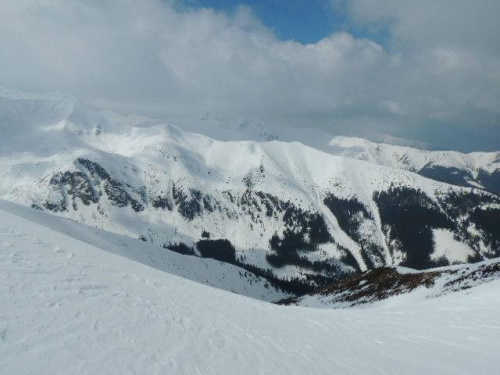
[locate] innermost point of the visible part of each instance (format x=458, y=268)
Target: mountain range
x=298, y=215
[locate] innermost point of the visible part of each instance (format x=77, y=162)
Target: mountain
x=70, y=307
x=477, y=169
x=294, y=215
x=404, y=285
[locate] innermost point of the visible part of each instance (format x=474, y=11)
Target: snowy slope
x=477, y=169
x=72, y=308
x=400, y=286
x=300, y=213
x=206, y=271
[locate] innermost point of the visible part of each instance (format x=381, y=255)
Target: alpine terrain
x=290, y=216
x=130, y=245
x=254, y=187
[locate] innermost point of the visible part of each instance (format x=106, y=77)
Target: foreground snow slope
x=71, y=308
x=206, y=271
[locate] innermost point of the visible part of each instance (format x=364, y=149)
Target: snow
x=447, y=246
x=412, y=159
x=393, y=153
x=43, y=135
x=47, y=134
x=207, y=271
x=69, y=307
x=441, y=282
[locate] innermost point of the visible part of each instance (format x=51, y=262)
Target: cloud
x=431, y=23
x=450, y=59
x=156, y=57
x=146, y=51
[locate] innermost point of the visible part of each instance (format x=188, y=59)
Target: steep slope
x=281, y=210
x=72, y=308
x=400, y=285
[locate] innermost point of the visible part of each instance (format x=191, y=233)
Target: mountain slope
x=281, y=210
x=72, y=308
x=477, y=169
x=400, y=285
x=206, y=271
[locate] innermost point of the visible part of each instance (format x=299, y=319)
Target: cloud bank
x=437, y=77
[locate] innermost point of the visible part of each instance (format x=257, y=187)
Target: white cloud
x=147, y=56
x=471, y=25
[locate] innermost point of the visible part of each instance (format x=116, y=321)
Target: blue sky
x=299, y=20
x=304, y=21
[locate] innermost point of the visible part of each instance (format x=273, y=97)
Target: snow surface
x=206, y=271
x=68, y=307
x=448, y=247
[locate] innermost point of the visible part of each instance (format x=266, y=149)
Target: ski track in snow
x=70, y=308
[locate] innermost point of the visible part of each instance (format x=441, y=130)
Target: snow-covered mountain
x=477, y=169
x=70, y=307
x=281, y=210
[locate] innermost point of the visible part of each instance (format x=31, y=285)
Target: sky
x=427, y=70
x=302, y=21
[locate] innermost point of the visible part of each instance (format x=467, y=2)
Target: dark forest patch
x=220, y=249
x=408, y=216
x=180, y=248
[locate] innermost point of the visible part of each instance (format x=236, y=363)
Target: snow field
x=71, y=308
